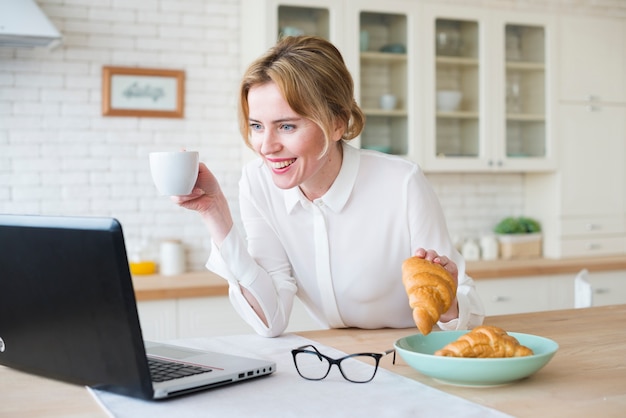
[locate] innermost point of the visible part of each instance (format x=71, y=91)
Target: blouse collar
x=337, y=196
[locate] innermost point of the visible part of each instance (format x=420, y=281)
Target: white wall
x=58, y=155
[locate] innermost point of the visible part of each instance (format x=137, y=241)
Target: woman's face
x=290, y=144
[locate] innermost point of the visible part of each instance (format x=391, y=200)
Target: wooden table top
x=587, y=376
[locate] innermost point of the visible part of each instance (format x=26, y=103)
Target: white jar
x=471, y=251
x=388, y=101
x=489, y=247
x=172, y=258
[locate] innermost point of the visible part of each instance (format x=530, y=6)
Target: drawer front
x=608, y=288
x=593, y=246
x=592, y=226
x=511, y=296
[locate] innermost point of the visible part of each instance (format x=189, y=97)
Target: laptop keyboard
x=163, y=370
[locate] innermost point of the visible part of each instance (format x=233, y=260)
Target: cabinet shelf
x=461, y=61
x=382, y=112
x=525, y=66
x=526, y=117
x=458, y=115
x=383, y=56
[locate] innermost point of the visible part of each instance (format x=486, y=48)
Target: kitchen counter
x=587, y=376
x=206, y=283
x=187, y=285
x=499, y=269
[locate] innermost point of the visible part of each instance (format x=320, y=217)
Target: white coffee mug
x=174, y=173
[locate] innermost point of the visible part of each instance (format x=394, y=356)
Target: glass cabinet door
x=457, y=94
x=525, y=91
x=302, y=20
x=384, y=93
x=489, y=99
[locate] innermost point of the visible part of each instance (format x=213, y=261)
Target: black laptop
x=68, y=312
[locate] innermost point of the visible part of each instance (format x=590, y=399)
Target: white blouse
x=342, y=253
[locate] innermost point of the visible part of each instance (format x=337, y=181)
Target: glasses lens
x=311, y=366
x=359, y=368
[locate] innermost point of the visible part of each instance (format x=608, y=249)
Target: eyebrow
x=276, y=121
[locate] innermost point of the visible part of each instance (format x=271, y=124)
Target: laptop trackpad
x=171, y=352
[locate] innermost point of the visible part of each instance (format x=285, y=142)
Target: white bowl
x=448, y=100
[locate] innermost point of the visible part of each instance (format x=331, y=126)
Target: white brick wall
x=58, y=155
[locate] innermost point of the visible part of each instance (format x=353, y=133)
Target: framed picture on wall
x=131, y=91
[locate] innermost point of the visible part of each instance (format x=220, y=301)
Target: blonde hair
x=314, y=80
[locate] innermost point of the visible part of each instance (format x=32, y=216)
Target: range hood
x=24, y=25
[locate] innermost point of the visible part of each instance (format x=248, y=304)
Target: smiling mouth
x=277, y=165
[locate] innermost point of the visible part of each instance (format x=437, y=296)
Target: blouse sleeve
x=267, y=275
x=429, y=230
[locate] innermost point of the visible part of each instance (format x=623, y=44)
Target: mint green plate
x=418, y=351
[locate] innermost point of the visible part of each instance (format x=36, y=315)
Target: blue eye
x=255, y=126
x=287, y=127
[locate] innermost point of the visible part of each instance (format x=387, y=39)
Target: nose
x=269, y=143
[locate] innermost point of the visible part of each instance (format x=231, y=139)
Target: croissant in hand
x=431, y=290
x=485, y=342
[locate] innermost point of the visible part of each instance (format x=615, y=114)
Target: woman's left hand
x=451, y=267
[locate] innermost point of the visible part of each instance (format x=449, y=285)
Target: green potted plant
x=519, y=237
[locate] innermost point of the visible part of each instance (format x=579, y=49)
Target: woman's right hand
x=204, y=194
x=207, y=199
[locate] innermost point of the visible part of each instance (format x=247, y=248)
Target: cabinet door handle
x=592, y=98
x=601, y=291
x=593, y=108
x=593, y=227
x=500, y=299
x=594, y=246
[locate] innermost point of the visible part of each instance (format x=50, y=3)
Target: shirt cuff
x=463, y=320
x=231, y=260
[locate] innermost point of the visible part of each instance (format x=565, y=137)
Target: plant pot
x=516, y=246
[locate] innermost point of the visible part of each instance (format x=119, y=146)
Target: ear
x=340, y=129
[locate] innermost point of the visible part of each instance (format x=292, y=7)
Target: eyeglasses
x=357, y=368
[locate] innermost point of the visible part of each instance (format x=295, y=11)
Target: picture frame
x=142, y=92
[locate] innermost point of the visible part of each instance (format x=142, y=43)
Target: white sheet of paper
x=286, y=394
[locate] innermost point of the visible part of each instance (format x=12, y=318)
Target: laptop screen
x=67, y=305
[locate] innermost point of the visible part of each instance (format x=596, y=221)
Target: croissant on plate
x=485, y=342
x=431, y=290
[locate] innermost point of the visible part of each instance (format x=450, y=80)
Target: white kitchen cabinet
x=608, y=288
x=384, y=36
x=502, y=64
x=592, y=59
x=582, y=207
x=592, y=164
x=551, y=292
x=204, y=317
x=158, y=319
x=212, y=316
x=526, y=294
x=264, y=21
x=390, y=48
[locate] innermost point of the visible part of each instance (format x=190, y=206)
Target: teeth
x=282, y=164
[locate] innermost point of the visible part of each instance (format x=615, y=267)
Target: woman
x=324, y=221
